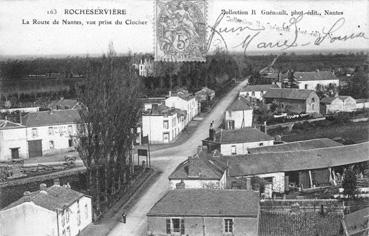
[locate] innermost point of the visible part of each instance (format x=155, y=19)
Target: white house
x=184, y=101
x=163, y=124
x=57, y=210
x=238, y=141
x=13, y=141
x=331, y=105
x=51, y=131
x=362, y=103
x=310, y=80
x=256, y=91
x=198, y=172
x=239, y=114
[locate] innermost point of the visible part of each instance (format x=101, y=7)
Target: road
x=167, y=160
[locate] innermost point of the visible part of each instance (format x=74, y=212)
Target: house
x=198, y=172
x=205, y=212
x=306, y=169
x=51, y=131
x=184, y=101
x=296, y=146
x=301, y=217
x=163, y=124
x=238, y=141
x=239, y=114
x=310, y=80
x=356, y=223
x=57, y=210
x=147, y=103
x=13, y=141
x=256, y=91
x=64, y=104
x=205, y=94
x=329, y=105
x=294, y=100
x=362, y=103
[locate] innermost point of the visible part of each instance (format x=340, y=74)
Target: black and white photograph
x=184, y=118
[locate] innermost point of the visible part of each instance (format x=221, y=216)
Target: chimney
x=43, y=187
x=57, y=182
x=180, y=185
x=154, y=108
x=265, y=127
x=26, y=193
x=248, y=183
x=170, y=93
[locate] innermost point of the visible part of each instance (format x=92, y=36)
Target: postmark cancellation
x=180, y=30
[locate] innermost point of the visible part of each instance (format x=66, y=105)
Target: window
x=306, y=86
x=261, y=144
x=165, y=124
x=51, y=144
x=175, y=225
x=253, y=93
x=34, y=132
x=312, y=99
x=233, y=150
x=51, y=131
x=166, y=137
x=67, y=216
x=78, y=214
x=15, y=153
x=70, y=142
x=63, y=221
x=86, y=211
x=70, y=129
x=228, y=225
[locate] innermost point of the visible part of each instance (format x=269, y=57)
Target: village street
x=166, y=160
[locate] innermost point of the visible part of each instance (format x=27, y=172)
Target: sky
x=19, y=39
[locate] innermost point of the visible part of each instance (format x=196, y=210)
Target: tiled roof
x=296, y=146
x=54, y=117
x=314, y=75
x=357, y=222
x=197, y=167
x=288, y=93
x=244, y=135
x=53, y=198
x=6, y=124
x=154, y=100
x=329, y=100
x=206, y=202
x=260, y=87
x=240, y=104
x=252, y=164
x=161, y=110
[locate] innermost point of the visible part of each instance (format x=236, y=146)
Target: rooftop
x=315, y=75
x=162, y=110
x=288, y=93
x=262, y=163
x=6, y=124
x=54, y=117
x=64, y=104
x=260, y=87
x=244, y=135
x=357, y=222
x=53, y=198
x=240, y=104
x=206, y=202
x=296, y=146
x=328, y=100
x=197, y=167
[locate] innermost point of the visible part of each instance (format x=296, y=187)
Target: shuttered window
x=182, y=226
x=168, y=226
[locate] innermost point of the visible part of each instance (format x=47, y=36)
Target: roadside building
x=148, y=103
x=306, y=169
x=57, y=210
x=310, y=80
x=64, y=104
x=51, y=131
x=198, y=172
x=205, y=94
x=294, y=100
x=184, y=101
x=205, y=212
x=239, y=114
x=238, y=141
x=329, y=105
x=163, y=124
x=256, y=91
x=13, y=141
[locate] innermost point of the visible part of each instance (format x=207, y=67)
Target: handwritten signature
x=326, y=35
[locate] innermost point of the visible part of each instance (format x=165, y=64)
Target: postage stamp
x=180, y=30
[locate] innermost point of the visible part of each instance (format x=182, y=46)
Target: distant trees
x=326, y=91
x=110, y=95
x=358, y=85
